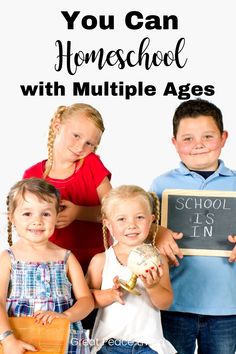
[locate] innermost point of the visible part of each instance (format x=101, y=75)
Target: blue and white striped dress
x=43, y=286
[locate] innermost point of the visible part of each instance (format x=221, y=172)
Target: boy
x=204, y=307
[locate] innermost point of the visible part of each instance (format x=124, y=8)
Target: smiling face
x=199, y=142
x=34, y=218
x=75, y=138
x=129, y=221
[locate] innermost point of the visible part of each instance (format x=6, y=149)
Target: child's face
x=76, y=137
x=199, y=143
x=129, y=221
x=34, y=219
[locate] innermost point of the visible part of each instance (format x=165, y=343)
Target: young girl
x=74, y=169
x=36, y=275
x=127, y=323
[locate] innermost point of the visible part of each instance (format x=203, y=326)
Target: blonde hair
x=128, y=192
x=37, y=186
x=63, y=113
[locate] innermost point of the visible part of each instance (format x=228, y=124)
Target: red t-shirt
x=83, y=238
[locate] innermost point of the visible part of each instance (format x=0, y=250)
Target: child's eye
x=89, y=144
x=187, y=139
x=46, y=214
x=76, y=136
x=140, y=217
x=26, y=213
x=121, y=219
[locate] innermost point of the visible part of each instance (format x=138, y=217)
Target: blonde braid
x=104, y=235
x=51, y=138
x=9, y=225
x=156, y=212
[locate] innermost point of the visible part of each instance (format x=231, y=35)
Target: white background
x=136, y=145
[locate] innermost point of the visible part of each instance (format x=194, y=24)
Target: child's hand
x=117, y=292
x=46, y=317
x=232, y=239
x=13, y=345
x=67, y=215
x=165, y=242
x=152, y=277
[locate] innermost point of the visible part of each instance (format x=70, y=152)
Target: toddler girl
x=36, y=275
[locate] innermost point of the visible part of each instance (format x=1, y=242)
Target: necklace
x=118, y=260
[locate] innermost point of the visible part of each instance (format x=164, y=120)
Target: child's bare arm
x=85, y=303
x=73, y=212
x=158, y=286
x=232, y=239
x=94, y=279
x=10, y=343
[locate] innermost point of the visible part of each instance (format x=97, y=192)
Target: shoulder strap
x=68, y=252
x=11, y=254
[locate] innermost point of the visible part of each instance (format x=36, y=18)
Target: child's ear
x=107, y=223
x=173, y=141
x=224, y=137
x=56, y=125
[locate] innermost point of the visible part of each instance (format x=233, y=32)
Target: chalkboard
x=206, y=218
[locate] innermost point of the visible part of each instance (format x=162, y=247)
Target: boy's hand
x=232, y=257
x=165, y=242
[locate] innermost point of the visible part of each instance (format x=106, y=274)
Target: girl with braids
x=36, y=275
x=80, y=176
x=126, y=323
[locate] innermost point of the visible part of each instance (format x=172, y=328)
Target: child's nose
x=131, y=224
x=37, y=220
x=79, y=146
x=199, y=143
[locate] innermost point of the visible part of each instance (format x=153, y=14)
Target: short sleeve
x=35, y=170
x=97, y=169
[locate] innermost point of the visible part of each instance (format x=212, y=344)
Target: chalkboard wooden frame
x=224, y=247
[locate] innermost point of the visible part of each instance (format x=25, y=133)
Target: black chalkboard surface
x=206, y=218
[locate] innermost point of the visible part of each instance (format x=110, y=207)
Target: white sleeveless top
x=137, y=321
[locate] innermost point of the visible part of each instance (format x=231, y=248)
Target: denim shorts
x=213, y=334
x=119, y=346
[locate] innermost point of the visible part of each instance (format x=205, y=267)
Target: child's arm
x=158, y=286
x=73, y=212
x=84, y=304
x=84, y=300
x=10, y=343
x=165, y=242
x=94, y=279
x=232, y=239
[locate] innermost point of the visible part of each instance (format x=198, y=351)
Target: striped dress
x=43, y=286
